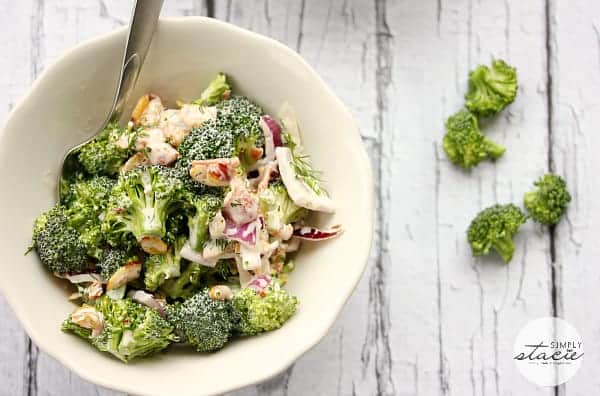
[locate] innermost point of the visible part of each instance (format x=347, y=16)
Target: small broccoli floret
x=549, y=200
x=160, y=267
x=193, y=278
x=236, y=131
x=263, y=311
x=112, y=259
x=491, y=89
x=129, y=330
x=86, y=201
x=495, y=227
x=278, y=207
x=216, y=91
x=106, y=153
x=57, y=243
x=186, y=285
x=70, y=327
x=241, y=117
x=140, y=203
x=203, y=322
x=464, y=143
x=205, y=208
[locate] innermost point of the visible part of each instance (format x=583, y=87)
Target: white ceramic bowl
x=72, y=97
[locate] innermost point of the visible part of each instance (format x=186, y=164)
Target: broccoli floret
x=86, y=201
x=235, y=131
x=86, y=194
x=69, y=326
x=464, y=143
x=160, y=267
x=130, y=330
x=58, y=243
x=216, y=91
x=241, y=117
x=112, y=259
x=204, y=323
x=186, y=285
x=140, y=203
x=495, y=227
x=278, y=207
x=103, y=155
x=194, y=277
x=491, y=89
x=549, y=200
x=268, y=310
x=205, y=208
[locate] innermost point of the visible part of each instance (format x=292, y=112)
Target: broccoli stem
x=152, y=224
x=529, y=198
x=493, y=149
x=198, y=226
x=505, y=247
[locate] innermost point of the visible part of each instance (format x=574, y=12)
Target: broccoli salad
x=181, y=227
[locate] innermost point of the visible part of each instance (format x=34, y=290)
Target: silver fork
x=142, y=25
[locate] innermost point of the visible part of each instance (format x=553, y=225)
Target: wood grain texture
x=574, y=43
x=426, y=318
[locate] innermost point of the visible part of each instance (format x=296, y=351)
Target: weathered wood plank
x=19, y=67
x=574, y=44
x=338, y=39
x=466, y=311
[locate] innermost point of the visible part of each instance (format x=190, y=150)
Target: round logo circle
x=548, y=351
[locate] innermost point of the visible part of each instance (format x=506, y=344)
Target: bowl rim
x=71, y=363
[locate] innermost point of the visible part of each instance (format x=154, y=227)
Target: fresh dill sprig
x=303, y=169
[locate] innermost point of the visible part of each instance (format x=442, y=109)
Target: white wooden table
x=427, y=318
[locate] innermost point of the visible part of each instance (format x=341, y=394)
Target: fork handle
x=142, y=25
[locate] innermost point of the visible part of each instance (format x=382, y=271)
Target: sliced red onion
x=148, y=300
x=84, y=278
x=260, y=283
x=315, y=234
x=244, y=233
x=272, y=132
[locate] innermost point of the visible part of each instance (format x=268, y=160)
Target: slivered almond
x=153, y=245
x=88, y=318
x=126, y=273
x=139, y=108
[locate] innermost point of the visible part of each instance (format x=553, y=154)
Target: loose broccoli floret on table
x=58, y=243
x=464, y=143
x=139, y=205
x=108, y=151
x=125, y=329
x=491, y=89
x=495, y=227
x=548, y=201
x=217, y=90
x=204, y=323
x=259, y=311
